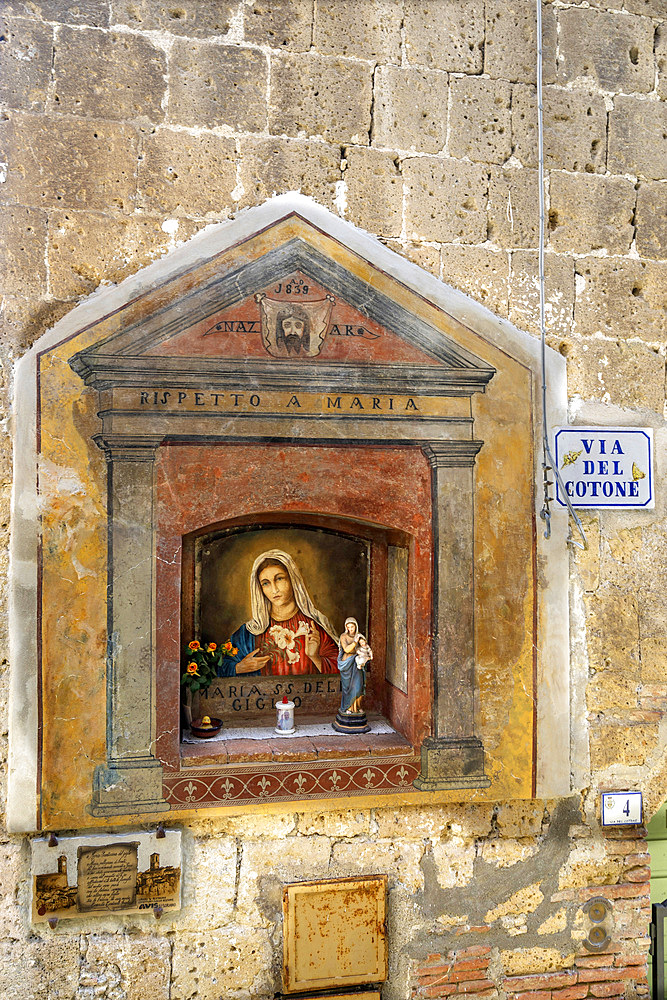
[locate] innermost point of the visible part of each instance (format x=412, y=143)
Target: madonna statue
x=351, y=662
x=286, y=634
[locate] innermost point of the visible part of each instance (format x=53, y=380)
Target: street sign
x=605, y=466
x=621, y=808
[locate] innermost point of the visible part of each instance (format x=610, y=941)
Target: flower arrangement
x=202, y=663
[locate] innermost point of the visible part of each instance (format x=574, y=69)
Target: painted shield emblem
x=293, y=330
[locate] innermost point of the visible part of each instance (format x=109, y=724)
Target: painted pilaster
x=131, y=779
x=453, y=757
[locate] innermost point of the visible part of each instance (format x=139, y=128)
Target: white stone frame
x=553, y=687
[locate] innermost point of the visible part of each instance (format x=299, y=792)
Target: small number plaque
x=621, y=808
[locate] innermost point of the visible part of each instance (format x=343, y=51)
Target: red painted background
x=200, y=485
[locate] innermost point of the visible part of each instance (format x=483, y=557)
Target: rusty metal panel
x=334, y=933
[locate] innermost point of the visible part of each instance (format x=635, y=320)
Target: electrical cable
x=548, y=464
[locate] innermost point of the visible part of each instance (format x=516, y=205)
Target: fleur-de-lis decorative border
x=243, y=785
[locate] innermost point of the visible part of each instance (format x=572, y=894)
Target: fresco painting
x=264, y=446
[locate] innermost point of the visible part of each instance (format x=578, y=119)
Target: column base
x=451, y=764
x=128, y=786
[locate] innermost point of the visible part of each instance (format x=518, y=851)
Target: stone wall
x=128, y=125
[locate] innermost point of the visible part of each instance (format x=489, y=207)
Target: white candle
x=285, y=717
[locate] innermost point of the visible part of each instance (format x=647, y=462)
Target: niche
x=345, y=569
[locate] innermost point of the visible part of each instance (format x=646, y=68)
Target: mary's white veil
x=261, y=608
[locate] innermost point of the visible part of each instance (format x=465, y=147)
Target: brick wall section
x=620, y=969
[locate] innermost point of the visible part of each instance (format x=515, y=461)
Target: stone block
x=480, y=120
x=654, y=658
x=398, y=859
x=373, y=32
x=212, y=887
x=435, y=822
x=11, y=874
x=661, y=58
x=374, y=189
x=651, y=221
x=510, y=52
x=273, y=166
x=248, y=826
x=339, y=823
x=68, y=163
x=316, y=96
x=214, y=85
x=587, y=560
x=506, y=853
x=86, y=248
x=454, y=862
x=621, y=298
x=26, y=53
x=558, y=289
x=196, y=20
x=108, y=75
x=525, y=900
x=512, y=211
x=479, y=272
x=445, y=200
x=555, y=923
x=622, y=554
x=526, y=961
x=208, y=965
x=448, y=36
x=91, y=12
x=652, y=621
x=638, y=138
x=588, y=212
x=409, y=109
x=611, y=51
x=575, y=129
x=280, y=24
x=266, y=865
x=184, y=174
x=616, y=372
x=618, y=744
x=650, y=8
x=24, y=320
x=134, y=966
x=40, y=969
x=613, y=632
x=520, y=819
x=23, y=263
x=612, y=695
x=425, y=256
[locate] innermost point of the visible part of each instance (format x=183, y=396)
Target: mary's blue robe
x=244, y=641
x=352, y=679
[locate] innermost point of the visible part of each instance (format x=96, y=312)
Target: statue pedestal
x=354, y=722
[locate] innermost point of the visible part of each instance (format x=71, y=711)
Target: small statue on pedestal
x=353, y=655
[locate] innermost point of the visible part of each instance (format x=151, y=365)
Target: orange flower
x=228, y=645
x=192, y=668
x=194, y=645
x=212, y=646
x=233, y=651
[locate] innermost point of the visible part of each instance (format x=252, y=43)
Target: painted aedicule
x=283, y=398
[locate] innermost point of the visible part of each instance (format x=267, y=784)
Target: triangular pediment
x=293, y=313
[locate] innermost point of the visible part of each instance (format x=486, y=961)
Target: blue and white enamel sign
x=621, y=808
x=606, y=466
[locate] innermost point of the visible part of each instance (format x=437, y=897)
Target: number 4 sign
x=621, y=808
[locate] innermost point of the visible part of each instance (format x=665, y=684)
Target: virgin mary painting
x=287, y=634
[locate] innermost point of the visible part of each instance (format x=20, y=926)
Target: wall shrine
x=285, y=385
